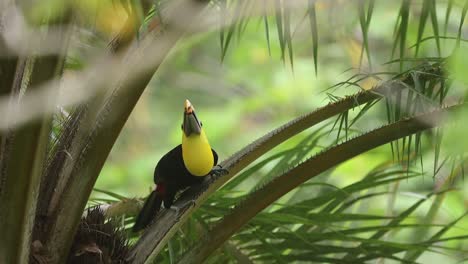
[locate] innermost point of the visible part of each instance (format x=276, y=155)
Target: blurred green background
x=249, y=93
x=253, y=91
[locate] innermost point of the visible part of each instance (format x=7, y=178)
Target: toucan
x=182, y=167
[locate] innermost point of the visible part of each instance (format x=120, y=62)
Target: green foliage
x=316, y=189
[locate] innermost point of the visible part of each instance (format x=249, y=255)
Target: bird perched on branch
x=184, y=166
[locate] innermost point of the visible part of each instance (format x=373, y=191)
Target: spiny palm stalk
x=48, y=167
x=98, y=240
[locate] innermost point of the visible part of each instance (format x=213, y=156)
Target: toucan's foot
x=178, y=207
x=218, y=171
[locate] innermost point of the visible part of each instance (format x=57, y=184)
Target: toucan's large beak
x=191, y=123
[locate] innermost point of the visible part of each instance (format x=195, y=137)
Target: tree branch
x=156, y=236
x=269, y=193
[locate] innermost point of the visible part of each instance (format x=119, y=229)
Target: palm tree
x=58, y=130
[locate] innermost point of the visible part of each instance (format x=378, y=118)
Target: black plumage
x=170, y=177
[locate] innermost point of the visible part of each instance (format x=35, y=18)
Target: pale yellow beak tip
x=188, y=107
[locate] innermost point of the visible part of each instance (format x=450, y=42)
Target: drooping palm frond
x=391, y=87
x=279, y=186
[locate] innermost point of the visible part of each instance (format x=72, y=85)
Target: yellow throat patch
x=196, y=153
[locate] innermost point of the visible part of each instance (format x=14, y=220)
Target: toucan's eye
x=201, y=123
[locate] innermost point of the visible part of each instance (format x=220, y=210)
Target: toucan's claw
x=218, y=171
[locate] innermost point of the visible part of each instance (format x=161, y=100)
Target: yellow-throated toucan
x=183, y=166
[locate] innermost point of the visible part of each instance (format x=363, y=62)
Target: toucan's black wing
x=149, y=211
x=215, y=156
x=171, y=163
